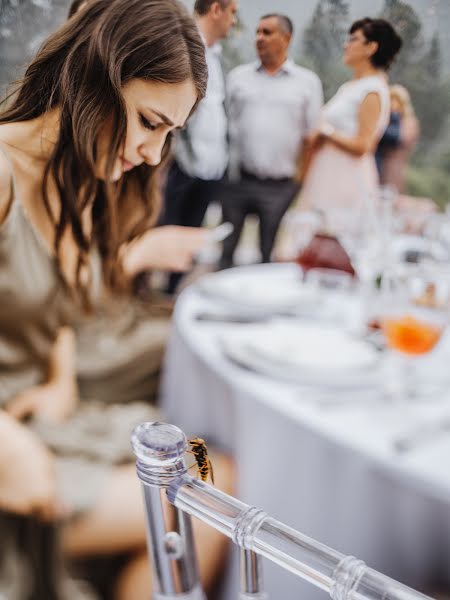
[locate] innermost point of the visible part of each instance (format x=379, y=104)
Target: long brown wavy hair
x=81, y=69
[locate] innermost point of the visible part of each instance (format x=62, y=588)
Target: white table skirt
x=330, y=473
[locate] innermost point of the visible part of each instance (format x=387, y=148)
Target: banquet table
x=327, y=469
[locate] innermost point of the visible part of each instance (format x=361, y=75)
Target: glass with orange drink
x=415, y=313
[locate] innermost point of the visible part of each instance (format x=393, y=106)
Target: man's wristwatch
x=327, y=129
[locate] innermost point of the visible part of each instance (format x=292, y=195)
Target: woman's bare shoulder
x=5, y=187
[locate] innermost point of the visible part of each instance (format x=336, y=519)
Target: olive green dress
x=120, y=353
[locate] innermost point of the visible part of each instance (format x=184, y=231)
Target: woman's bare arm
x=366, y=138
x=167, y=248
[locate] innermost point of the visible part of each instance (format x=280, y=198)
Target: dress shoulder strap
x=8, y=159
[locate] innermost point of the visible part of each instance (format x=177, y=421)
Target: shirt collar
x=216, y=48
x=285, y=69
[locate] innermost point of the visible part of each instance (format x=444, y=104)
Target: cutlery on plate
x=421, y=435
x=230, y=317
x=376, y=339
x=214, y=317
x=329, y=401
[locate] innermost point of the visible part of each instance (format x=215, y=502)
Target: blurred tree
x=429, y=182
x=321, y=48
x=231, y=47
x=408, y=24
x=24, y=24
x=418, y=68
x=434, y=58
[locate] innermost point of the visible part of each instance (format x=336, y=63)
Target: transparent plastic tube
x=160, y=451
x=251, y=576
x=343, y=577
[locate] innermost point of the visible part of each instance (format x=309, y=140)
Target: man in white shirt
x=201, y=150
x=272, y=105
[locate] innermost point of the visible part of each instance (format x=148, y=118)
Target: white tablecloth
x=328, y=472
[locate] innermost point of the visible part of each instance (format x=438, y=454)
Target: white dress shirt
x=202, y=149
x=269, y=115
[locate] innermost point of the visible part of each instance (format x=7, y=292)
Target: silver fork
x=342, y=398
x=421, y=435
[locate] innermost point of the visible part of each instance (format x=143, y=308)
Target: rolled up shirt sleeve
x=314, y=106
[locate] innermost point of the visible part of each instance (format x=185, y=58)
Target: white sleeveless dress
x=337, y=179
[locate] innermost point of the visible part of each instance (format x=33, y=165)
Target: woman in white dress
x=339, y=167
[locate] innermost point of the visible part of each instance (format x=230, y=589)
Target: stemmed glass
x=365, y=235
x=301, y=228
x=415, y=303
x=436, y=231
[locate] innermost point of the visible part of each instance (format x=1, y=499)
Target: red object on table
x=325, y=252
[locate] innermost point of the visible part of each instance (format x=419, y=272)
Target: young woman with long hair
x=81, y=139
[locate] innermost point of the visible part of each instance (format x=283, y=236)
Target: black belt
x=246, y=175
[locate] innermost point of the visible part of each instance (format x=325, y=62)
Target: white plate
x=402, y=244
x=259, y=289
x=307, y=354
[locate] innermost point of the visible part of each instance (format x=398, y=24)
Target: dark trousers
x=185, y=202
x=269, y=199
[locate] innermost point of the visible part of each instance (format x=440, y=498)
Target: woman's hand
x=52, y=402
x=314, y=140
x=27, y=473
x=168, y=248
x=311, y=143
x=55, y=400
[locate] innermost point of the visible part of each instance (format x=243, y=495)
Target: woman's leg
x=117, y=524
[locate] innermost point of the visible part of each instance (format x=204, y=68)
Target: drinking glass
x=298, y=229
x=436, y=232
x=364, y=235
x=361, y=233
x=414, y=311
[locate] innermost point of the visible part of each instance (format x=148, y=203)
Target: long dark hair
x=81, y=69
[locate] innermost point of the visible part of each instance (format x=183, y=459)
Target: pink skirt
x=337, y=180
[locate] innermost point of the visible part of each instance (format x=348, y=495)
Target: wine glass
x=436, y=231
x=364, y=235
x=414, y=311
x=361, y=233
x=304, y=225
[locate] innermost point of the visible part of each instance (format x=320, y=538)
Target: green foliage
x=445, y=161
x=407, y=23
x=434, y=58
x=431, y=99
x=321, y=49
x=419, y=69
x=429, y=182
x=231, y=48
x=231, y=54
